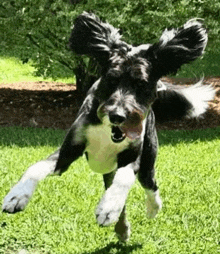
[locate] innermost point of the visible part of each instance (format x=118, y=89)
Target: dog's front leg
x=58, y=162
x=113, y=201
x=122, y=227
x=20, y=194
x=146, y=173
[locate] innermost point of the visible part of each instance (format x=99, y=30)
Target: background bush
x=39, y=30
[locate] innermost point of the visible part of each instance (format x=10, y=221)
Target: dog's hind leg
x=58, y=162
x=146, y=172
x=154, y=203
x=122, y=227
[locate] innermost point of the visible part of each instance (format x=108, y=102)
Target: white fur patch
x=102, y=151
x=161, y=86
x=167, y=36
x=154, y=203
x=138, y=49
x=198, y=95
x=39, y=170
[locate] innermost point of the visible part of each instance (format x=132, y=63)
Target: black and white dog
x=115, y=126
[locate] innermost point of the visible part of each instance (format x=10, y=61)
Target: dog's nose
x=116, y=118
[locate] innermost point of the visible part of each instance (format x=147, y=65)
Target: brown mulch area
x=54, y=105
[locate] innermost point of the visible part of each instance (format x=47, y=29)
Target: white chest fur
x=102, y=151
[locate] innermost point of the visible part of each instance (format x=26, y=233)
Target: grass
x=60, y=217
x=205, y=66
x=13, y=70
x=208, y=66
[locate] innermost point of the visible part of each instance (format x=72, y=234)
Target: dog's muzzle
x=122, y=126
x=117, y=134
x=130, y=127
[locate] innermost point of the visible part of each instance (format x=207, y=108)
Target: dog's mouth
x=131, y=128
x=117, y=134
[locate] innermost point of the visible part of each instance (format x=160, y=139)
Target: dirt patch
x=54, y=105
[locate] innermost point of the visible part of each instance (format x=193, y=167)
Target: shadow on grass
x=120, y=248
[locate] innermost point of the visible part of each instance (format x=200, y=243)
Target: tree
x=40, y=29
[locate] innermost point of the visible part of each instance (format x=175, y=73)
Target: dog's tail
x=175, y=102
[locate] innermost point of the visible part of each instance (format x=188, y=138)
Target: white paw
x=154, y=203
x=110, y=208
x=108, y=212
x=18, y=197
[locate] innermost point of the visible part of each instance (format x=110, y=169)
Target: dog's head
x=129, y=80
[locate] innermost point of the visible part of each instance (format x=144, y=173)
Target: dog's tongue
x=132, y=132
x=132, y=127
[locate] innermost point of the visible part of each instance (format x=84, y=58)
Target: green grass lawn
x=13, y=70
x=60, y=216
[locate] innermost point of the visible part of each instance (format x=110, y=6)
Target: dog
x=115, y=126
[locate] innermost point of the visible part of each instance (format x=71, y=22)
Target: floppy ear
x=177, y=47
x=94, y=38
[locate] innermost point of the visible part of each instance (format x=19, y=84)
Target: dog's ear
x=177, y=47
x=91, y=37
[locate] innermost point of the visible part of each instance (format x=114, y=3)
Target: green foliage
x=40, y=29
x=60, y=216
